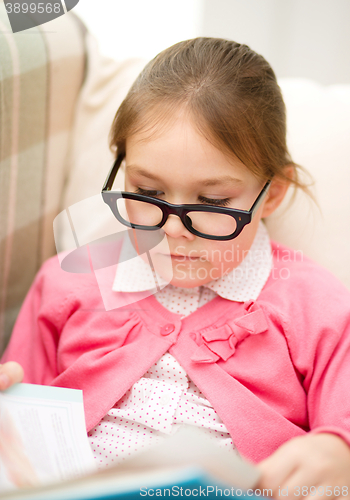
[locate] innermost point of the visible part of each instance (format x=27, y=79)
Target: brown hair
x=229, y=90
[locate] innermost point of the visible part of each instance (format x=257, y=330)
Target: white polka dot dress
x=153, y=408
x=165, y=398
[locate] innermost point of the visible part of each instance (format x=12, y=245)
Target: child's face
x=176, y=165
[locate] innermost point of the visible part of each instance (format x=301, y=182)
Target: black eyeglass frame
x=242, y=217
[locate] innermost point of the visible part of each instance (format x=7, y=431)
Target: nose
x=175, y=228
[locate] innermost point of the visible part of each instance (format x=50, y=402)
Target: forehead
x=176, y=149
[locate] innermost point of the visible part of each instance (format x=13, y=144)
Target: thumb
x=10, y=373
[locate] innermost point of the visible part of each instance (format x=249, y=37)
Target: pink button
x=166, y=329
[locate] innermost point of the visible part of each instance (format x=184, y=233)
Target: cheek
x=229, y=254
x=221, y=254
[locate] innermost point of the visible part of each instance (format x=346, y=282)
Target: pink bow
x=221, y=342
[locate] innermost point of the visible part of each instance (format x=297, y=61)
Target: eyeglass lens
x=145, y=214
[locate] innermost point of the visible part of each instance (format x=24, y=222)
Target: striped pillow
x=41, y=73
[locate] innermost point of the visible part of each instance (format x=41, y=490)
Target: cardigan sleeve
x=33, y=343
x=328, y=392
x=319, y=342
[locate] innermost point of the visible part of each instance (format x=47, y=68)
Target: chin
x=185, y=274
x=186, y=283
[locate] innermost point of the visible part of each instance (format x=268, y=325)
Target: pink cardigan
x=273, y=369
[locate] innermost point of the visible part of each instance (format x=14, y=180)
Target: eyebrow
x=207, y=182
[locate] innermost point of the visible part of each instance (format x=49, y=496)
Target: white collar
x=243, y=283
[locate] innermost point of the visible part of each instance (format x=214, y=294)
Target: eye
x=215, y=201
x=147, y=192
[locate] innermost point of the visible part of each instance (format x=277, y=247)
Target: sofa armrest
x=41, y=73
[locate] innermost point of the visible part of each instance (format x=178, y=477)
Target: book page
x=187, y=460
x=42, y=436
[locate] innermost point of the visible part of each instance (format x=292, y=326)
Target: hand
x=319, y=463
x=10, y=373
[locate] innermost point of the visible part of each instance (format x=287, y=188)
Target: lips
x=183, y=257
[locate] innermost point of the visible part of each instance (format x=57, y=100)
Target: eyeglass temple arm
x=107, y=186
x=260, y=198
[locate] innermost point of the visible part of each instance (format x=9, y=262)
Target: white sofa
x=319, y=139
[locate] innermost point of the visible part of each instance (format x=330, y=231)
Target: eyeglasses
x=145, y=212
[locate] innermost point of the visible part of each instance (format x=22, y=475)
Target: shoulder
x=309, y=302
x=62, y=295
x=52, y=280
x=293, y=273
x=73, y=273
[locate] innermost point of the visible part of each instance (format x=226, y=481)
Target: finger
x=319, y=480
x=276, y=471
x=10, y=373
x=299, y=486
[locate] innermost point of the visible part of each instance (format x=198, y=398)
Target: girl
x=250, y=343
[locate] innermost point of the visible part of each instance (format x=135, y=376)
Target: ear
x=277, y=191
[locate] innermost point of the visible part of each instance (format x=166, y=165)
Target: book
x=45, y=454
x=42, y=436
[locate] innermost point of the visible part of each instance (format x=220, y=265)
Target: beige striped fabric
x=41, y=73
